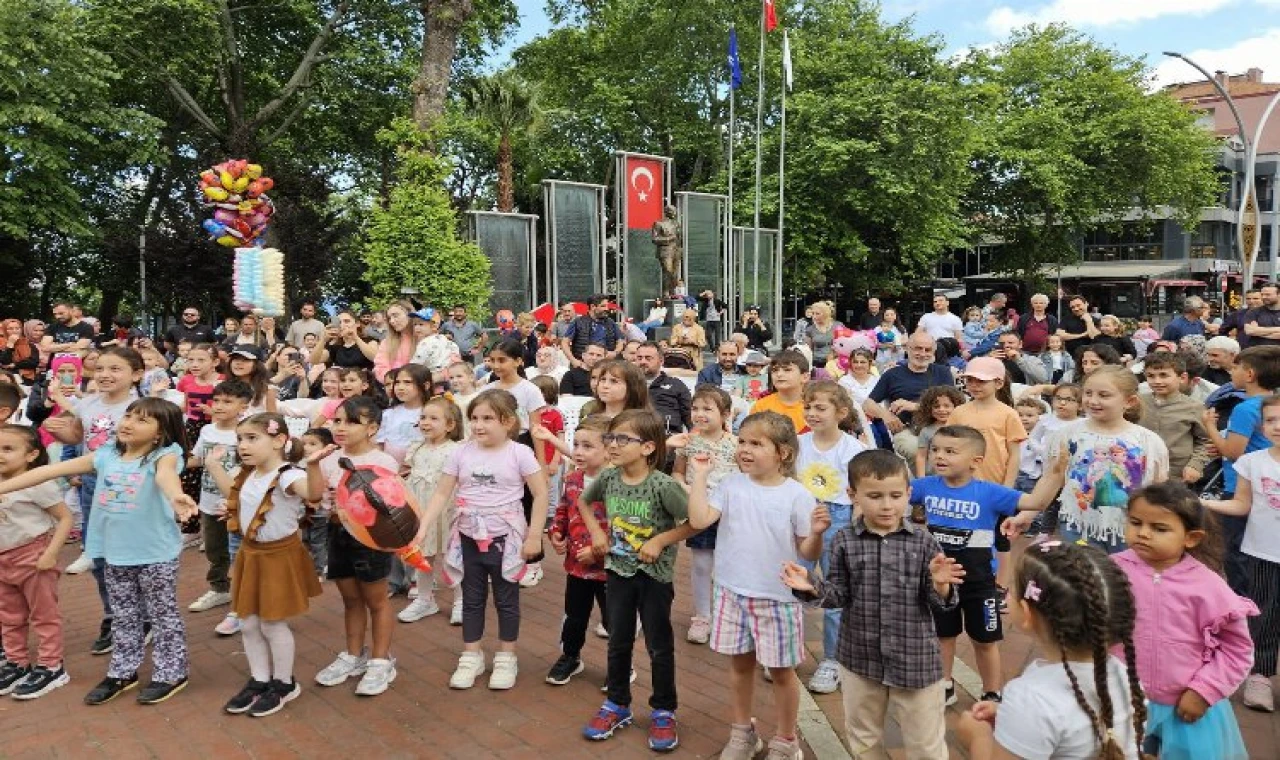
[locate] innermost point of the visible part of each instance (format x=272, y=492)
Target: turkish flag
x=646, y=194
x=770, y=16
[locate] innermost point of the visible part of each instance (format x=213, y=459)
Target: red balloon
x=267, y=183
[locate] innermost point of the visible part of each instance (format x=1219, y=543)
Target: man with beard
x=68, y=334
x=724, y=373
x=190, y=329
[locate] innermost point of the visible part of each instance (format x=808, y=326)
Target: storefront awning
x=1100, y=270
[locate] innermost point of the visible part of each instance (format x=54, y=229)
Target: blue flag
x=735, y=63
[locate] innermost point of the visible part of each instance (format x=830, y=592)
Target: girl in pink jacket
x=1191, y=636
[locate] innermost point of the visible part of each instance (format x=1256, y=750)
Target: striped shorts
x=773, y=630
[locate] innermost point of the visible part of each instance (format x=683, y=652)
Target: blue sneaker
x=610, y=718
x=662, y=731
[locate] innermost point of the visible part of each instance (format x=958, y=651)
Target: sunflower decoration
x=821, y=480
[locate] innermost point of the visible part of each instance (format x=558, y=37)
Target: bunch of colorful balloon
x=237, y=192
x=259, y=280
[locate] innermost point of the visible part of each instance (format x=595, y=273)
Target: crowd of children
x=1127, y=588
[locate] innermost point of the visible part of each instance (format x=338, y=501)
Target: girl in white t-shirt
x=1109, y=457
x=1079, y=703
x=822, y=464
x=409, y=391
x=273, y=578
x=765, y=519
x=1258, y=486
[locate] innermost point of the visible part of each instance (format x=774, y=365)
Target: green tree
x=413, y=241
x=1072, y=138
x=509, y=105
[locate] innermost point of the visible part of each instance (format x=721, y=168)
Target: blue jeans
x=841, y=517
x=88, y=483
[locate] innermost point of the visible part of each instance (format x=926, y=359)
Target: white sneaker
x=82, y=563
x=601, y=631
x=455, y=615
x=826, y=679
x=1258, y=695
x=344, y=667
x=532, y=574
x=229, y=626
x=423, y=606
x=378, y=675
x=504, y=671
x=470, y=667
x=209, y=600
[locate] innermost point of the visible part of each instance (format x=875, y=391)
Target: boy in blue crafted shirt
x=962, y=513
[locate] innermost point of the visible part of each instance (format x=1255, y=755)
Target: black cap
x=247, y=352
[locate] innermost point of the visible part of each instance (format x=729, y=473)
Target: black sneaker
x=244, y=700
x=158, y=691
x=951, y=693
x=103, y=644
x=992, y=696
x=109, y=689
x=147, y=635
x=41, y=681
x=1003, y=599
x=277, y=695
x=565, y=668
x=11, y=675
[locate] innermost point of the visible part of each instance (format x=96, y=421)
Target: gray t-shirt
x=99, y=419
x=300, y=328
x=465, y=334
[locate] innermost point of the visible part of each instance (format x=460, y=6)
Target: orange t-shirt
x=774, y=403
x=1000, y=426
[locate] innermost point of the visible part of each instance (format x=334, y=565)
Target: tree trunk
x=506, y=187
x=444, y=21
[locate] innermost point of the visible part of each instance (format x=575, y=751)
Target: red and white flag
x=770, y=16
x=646, y=193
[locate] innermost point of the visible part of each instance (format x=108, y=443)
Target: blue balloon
x=214, y=228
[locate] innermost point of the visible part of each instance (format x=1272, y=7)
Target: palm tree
x=510, y=105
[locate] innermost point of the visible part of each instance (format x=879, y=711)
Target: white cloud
x=1262, y=51
x=1098, y=13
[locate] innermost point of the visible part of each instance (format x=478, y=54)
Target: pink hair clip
x=1047, y=545
x=273, y=427
x=1032, y=591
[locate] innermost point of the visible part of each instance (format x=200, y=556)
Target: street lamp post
x=1247, y=248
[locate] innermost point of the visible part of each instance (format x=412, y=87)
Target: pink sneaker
x=229, y=626
x=699, y=631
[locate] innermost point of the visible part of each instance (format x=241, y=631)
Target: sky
x=1232, y=35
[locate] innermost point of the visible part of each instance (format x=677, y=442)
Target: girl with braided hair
x=1192, y=635
x=1079, y=702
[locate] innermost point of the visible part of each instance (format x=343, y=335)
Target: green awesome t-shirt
x=636, y=514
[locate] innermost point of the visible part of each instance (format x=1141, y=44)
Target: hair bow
x=1032, y=591
x=273, y=427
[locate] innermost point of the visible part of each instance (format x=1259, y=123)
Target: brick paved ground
x=419, y=717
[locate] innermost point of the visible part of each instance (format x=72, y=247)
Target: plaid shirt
x=883, y=585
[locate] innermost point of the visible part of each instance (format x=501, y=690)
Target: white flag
x=786, y=59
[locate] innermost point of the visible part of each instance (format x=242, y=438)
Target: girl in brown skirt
x=273, y=578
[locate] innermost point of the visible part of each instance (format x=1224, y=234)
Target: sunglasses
x=620, y=439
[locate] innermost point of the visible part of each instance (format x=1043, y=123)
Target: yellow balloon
x=215, y=193
x=240, y=185
x=228, y=181
x=253, y=171
x=229, y=241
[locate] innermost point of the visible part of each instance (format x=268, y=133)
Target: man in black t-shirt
x=68, y=334
x=1262, y=325
x=188, y=329
x=872, y=317
x=1077, y=329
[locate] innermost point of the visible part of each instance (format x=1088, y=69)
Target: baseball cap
x=984, y=368
x=755, y=357
x=247, y=352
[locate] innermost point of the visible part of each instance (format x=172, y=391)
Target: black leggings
x=479, y=571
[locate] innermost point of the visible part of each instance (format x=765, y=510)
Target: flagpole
x=782, y=163
x=755, y=246
x=732, y=126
